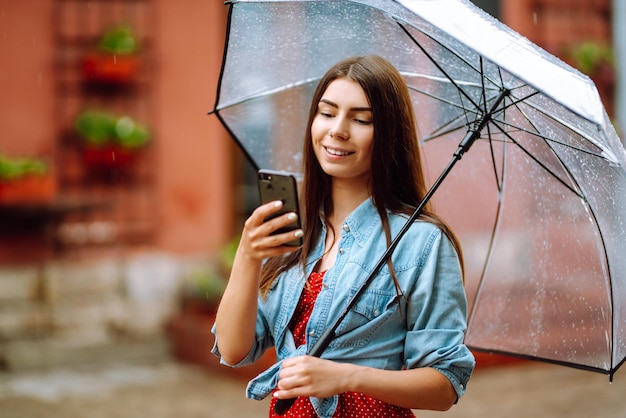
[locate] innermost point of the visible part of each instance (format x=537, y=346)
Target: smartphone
x=280, y=185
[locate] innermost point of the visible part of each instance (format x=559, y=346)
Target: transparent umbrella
x=539, y=200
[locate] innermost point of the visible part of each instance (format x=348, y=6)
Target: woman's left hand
x=311, y=376
x=420, y=388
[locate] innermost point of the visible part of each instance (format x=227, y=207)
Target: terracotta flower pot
x=109, y=156
x=108, y=68
x=28, y=189
x=192, y=340
x=485, y=360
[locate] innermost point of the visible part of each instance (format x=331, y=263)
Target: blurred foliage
x=227, y=255
x=119, y=40
x=99, y=128
x=591, y=57
x=15, y=168
x=206, y=282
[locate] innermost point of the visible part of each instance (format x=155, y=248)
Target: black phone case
x=274, y=185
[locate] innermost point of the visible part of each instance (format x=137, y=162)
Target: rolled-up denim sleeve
x=437, y=313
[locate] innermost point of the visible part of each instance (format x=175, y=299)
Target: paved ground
x=163, y=388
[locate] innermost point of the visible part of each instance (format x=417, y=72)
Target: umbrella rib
x=604, y=154
x=542, y=165
x=466, y=62
x=441, y=99
x=437, y=132
x=266, y=93
x=512, y=353
x=496, y=222
x=536, y=130
x=545, y=138
x=445, y=80
x=499, y=180
x=436, y=64
x=479, y=287
x=483, y=90
x=450, y=127
x=552, y=140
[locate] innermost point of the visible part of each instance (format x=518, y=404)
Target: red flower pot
x=107, y=68
x=109, y=156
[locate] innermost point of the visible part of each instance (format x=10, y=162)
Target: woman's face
x=343, y=131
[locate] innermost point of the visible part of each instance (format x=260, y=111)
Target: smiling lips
x=337, y=152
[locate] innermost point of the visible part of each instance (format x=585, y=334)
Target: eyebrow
x=353, y=109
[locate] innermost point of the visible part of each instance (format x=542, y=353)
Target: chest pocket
x=373, y=310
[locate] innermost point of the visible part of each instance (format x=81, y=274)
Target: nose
x=339, y=130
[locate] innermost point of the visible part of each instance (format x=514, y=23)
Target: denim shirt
x=425, y=328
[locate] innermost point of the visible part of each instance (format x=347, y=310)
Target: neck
x=347, y=195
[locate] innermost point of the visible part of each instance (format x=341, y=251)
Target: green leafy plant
x=119, y=40
x=205, y=283
x=99, y=128
x=591, y=57
x=227, y=255
x=16, y=168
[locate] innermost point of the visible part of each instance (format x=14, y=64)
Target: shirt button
x=376, y=312
x=341, y=251
x=346, y=227
x=312, y=333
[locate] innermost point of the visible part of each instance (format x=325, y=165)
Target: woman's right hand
x=256, y=239
x=236, y=315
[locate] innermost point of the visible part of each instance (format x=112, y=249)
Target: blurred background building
x=120, y=197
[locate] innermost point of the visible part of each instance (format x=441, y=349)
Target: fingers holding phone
x=284, y=221
x=283, y=226
x=266, y=234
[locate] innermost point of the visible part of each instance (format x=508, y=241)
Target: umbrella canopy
x=539, y=201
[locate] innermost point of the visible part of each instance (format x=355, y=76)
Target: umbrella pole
x=473, y=133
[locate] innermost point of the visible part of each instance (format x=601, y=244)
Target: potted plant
x=110, y=140
x=115, y=58
x=190, y=329
x=25, y=180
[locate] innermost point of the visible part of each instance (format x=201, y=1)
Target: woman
x=401, y=347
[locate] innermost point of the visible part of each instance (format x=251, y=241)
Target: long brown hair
x=398, y=183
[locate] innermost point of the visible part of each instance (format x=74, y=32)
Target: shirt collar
x=362, y=222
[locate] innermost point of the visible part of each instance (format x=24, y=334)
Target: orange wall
x=26, y=83
x=193, y=164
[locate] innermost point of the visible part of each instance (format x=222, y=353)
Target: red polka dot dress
x=351, y=404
